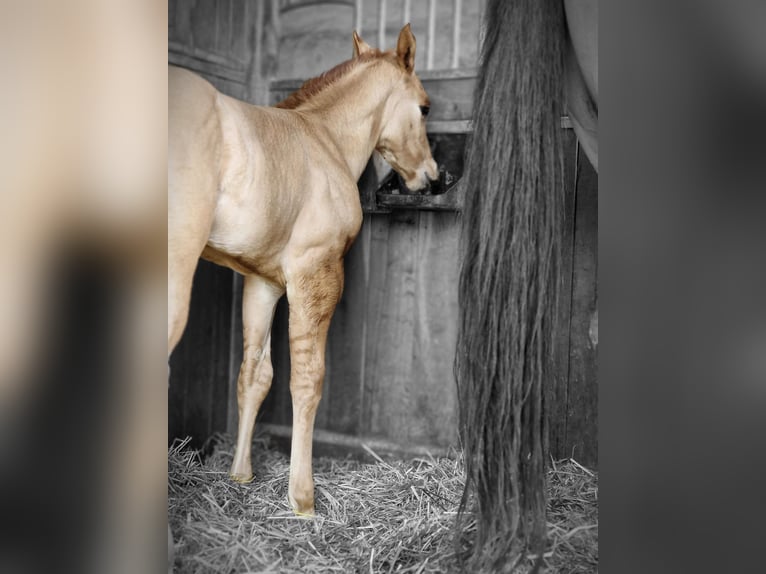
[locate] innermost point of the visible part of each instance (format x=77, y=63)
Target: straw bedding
x=379, y=516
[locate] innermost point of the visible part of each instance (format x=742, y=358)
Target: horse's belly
x=248, y=239
x=246, y=264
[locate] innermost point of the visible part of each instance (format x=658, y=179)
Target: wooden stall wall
x=391, y=344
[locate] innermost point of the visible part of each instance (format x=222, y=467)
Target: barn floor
x=388, y=516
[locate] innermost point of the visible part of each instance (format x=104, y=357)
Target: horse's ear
x=360, y=46
x=405, y=49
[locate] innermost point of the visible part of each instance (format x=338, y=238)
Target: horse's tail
x=511, y=232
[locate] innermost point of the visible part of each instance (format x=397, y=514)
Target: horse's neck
x=353, y=119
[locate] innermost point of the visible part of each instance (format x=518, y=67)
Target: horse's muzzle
x=431, y=187
x=434, y=186
x=394, y=183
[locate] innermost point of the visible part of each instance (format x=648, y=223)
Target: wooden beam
x=327, y=443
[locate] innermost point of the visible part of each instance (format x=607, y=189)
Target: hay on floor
x=389, y=516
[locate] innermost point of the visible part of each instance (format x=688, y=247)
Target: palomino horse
x=539, y=58
x=271, y=193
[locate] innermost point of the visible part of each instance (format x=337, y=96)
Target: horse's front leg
x=259, y=298
x=313, y=294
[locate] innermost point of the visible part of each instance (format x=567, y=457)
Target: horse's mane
x=313, y=86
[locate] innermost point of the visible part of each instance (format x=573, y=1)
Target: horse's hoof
x=305, y=510
x=304, y=513
x=242, y=478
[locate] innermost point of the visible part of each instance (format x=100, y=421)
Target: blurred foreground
x=83, y=391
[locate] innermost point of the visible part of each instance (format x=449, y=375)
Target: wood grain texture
x=339, y=409
x=199, y=366
x=435, y=327
x=388, y=371
x=582, y=404
x=559, y=396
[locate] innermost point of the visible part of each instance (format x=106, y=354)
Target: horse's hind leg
x=258, y=302
x=313, y=295
x=182, y=263
x=190, y=216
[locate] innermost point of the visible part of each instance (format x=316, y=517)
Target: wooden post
x=382, y=24
x=358, y=17
x=275, y=24
x=431, y=34
x=456, y=25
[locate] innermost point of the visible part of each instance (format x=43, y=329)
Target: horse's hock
x=392, y=339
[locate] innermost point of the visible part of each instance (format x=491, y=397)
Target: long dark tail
x=511, y=231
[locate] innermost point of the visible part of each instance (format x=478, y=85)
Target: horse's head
x=403, y=142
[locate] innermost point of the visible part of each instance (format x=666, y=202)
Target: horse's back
x=194, y=133
x=192, y=114
x=187, y=91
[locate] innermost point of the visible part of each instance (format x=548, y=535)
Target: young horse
x=272, y=194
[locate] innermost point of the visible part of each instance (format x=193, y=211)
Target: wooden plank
x=257, y=84
x=434, y=399
x=328, y=443
x=582, y=411
x=382, y=24
x=339, y=408
x=389, y=386
x=199, y=366
x=557, y=409
x=376, y=269
x=409, y=392
x=277, y=408
x=203, y=24
x=449, y=126
x=431, y=38
x=452, y=200
x=358, y=17
x=457, y=19
x=172, y=11
x=236, y=352
x=242, y=28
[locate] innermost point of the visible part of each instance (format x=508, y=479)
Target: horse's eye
x=424, y=110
